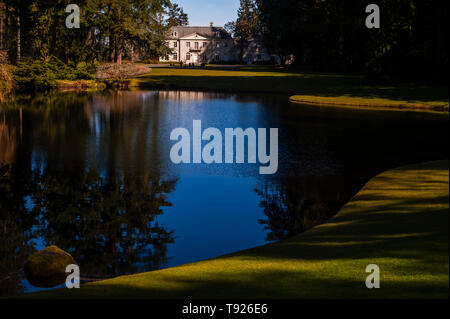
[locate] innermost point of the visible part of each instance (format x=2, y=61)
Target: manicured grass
x=349, y=101
x=398, y=221
x=348, y=89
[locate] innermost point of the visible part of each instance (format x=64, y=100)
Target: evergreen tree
x=110, y=29
x=246, y=25
x=177, y=17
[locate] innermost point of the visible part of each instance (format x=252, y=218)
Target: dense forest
x=34, y=37
x=410, y=46
x=109, y=29
x=330, y=35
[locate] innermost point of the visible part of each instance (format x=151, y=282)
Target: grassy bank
x=79, y=85
x=398, y=221
x=348, y=101
x=317, y=87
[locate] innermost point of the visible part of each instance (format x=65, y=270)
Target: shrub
x=7, y=84
x=85, y=71
x=150, y=61
x=33, y=74
x=42, y=75
x=112, y=71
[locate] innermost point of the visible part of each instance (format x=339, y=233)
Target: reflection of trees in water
x=56, y=190
x=16, y=227
x=294, y=205
x=126, y=131
x=107, y=223
x=16, y=220
x=9, y=136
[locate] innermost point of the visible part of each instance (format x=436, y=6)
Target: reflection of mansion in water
x=182, y=96
x=209, y=45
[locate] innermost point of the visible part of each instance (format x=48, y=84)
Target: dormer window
x=174, y=33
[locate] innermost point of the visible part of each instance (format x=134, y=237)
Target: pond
x=91, y=173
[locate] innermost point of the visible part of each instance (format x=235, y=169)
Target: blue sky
x=202, y=12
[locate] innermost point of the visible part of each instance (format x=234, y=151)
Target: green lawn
x=360, y=102
x=398, y=221
x=264, y=79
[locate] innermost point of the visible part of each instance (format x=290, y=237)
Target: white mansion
x=209, y=45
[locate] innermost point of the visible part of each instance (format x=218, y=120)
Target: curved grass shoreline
x=378, y=103
x=399, y=221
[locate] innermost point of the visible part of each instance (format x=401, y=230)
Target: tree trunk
x=242, y=45
x=21, y=124
x=119, y=49
x=132, y=54
x=112, y=48
x=19, y=54
x=119, y=56
x=54, y=37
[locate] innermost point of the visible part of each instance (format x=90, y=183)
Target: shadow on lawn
x=404, y=230
x=270, y=80
x=272, y=285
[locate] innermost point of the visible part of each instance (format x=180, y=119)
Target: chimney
x=211, y=24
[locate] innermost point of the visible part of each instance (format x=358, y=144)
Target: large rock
x=47, y=268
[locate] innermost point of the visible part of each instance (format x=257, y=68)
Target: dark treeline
x=111, y=30
x=331, y=35
x=318, y=35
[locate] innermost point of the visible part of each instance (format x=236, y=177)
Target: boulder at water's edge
x=47, y=267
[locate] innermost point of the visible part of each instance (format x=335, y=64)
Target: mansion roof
x=207, y=32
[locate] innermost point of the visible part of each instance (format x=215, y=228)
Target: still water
x=91, y=173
